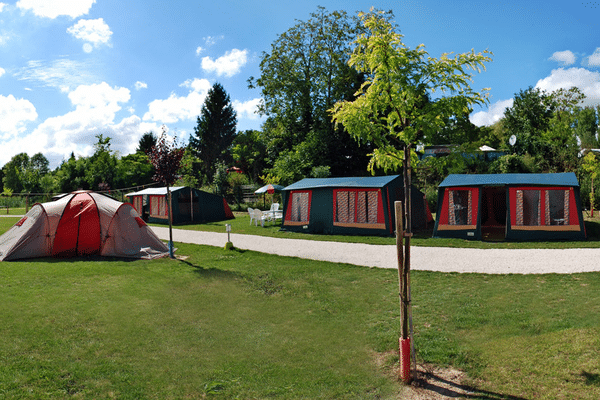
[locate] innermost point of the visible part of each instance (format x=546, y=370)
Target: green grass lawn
x=241, y=324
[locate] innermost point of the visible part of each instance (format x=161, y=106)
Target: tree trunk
x=170, y=213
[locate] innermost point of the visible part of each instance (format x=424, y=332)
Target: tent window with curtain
x=460, y=210
x=357, y=208
x=299, y=212
x=557, y=209
x=137, y=204
x=528, y=207
x=158, y=206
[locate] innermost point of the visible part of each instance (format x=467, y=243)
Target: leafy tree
x=215, y=131
x=133, y=170
x=102, y=165
x=71, y=174
x=249, y=153
x=528, y=118
x=23, y=174
x=586, y=127
x=591, y=166
x=166, y=159
x=397, y=107
x=220, y=178
x=146, y=143
x=303, y=76
x=190, y=169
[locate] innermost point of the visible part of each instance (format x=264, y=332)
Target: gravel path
x=489, y=261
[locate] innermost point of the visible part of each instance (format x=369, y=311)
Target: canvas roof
x=359, y=182
x=559, y=179
x=155, y=191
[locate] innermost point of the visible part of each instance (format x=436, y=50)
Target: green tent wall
x=516, y=207
x=348, y=206
x=189, y=205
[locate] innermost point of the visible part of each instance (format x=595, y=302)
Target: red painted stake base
x=405, y=374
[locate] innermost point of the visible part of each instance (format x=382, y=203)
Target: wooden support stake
x=404, y=290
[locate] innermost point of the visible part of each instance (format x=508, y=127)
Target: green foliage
x=23, y=174
x=146, y=143
x=249, y=152
x=190, y=170
x=235, y=181
x=513, y=163
x=220, y=178
x=303, y=76
x=407, y=95
x=216, y=129
x=101, y=166
x=321, y=171
x=133, y=170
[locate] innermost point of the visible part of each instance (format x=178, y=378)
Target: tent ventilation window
x=300, y=207
x=460, y=206
x=357, y=208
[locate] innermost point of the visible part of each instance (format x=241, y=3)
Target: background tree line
x=303, y=76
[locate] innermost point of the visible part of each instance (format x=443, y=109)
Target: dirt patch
x=430, y=382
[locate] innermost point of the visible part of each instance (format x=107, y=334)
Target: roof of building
x=358, y=182
x=558, y=179
x=156, y=191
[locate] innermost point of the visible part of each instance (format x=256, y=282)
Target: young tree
x=215, y=131
x=166, y=159
x=406, y=97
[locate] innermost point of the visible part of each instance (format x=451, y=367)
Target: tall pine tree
x=215, y=131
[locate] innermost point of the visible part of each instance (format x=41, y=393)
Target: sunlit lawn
x=231, y=324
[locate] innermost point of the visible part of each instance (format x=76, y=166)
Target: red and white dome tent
x=82, y=223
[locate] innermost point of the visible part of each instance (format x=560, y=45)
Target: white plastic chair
x=258, y=215
x=251, y=212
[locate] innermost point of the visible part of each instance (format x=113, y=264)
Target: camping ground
x=250, y=325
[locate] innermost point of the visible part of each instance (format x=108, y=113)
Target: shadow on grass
x=432, y=382
x=591, y=379
x=210, y=272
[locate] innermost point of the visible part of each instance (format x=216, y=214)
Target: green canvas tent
x=189, y=205
x=510, y=206
x=348, y=206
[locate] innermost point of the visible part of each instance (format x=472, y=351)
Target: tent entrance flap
x=78, y=232
x=493, y=213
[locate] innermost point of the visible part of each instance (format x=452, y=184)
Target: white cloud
x=2, y=5
x=14, y=114
x=95, y=110
x=141, y=85
x=62, y=74
x=228, y=65
x=594, y=59
x=564, y=57
x=54, y=8
x=177, y=108
x=587, y=81
x=212, y=40
x=199, y=50
x=92, y=31
x=247, y=109
x=2, y=71
x=494, y=113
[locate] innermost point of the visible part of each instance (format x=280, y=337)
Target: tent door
x=493, y=213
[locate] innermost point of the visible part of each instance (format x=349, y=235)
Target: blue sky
x=71, y=69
